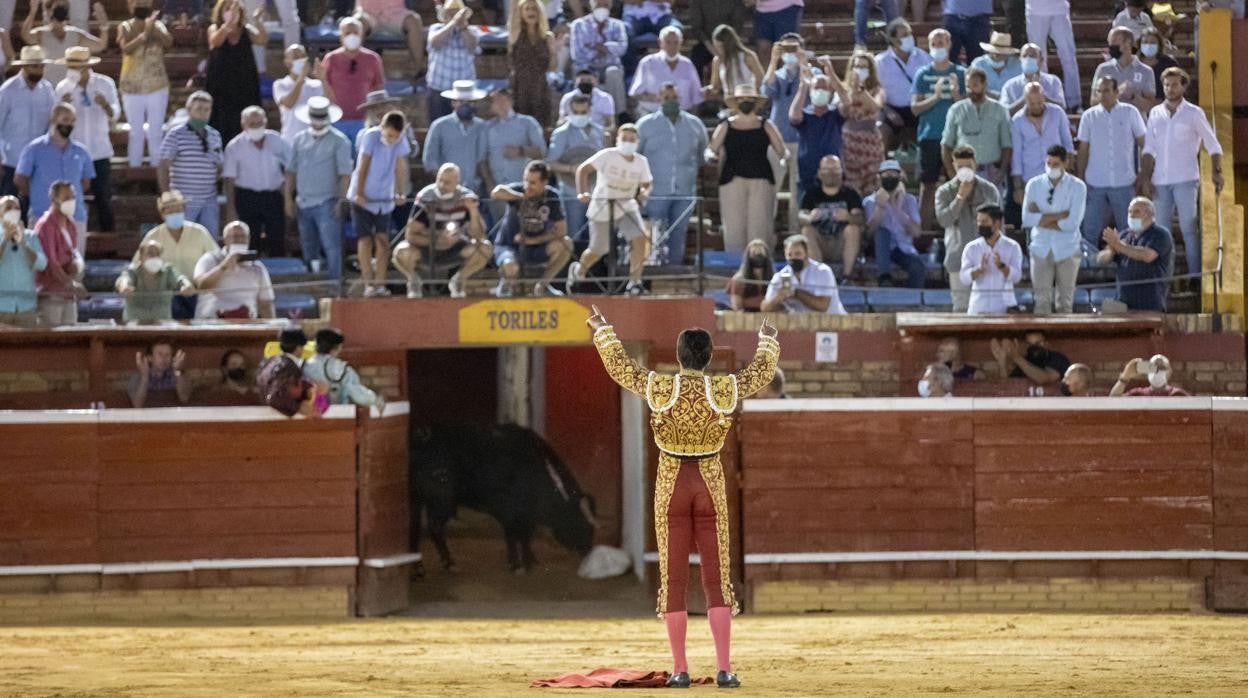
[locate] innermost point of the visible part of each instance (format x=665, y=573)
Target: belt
x=688, y=455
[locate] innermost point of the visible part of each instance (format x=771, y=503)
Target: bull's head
x=577, y=524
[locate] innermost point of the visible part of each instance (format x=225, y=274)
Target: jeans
x=1184, y=196
x=102, y=195
x=1103, y=203
x=206, y=212
x=967, y=33
x=862, y=8
x=574, y=212
x=265, y=214
x=887, y=254
x=320, y=232
x=671, y=215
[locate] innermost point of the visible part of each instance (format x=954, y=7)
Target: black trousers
x=102, y=192
x=8, y=187
x=264, y=213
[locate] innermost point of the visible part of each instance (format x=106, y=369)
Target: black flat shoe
x=727, y=679
x=678, y=680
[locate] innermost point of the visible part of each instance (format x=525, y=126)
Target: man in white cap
x=459, y=137
x=452, y=55
x=25, y=106
x=316, y=183
x=95, y=97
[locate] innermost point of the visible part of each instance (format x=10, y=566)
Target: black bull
x=506, y=471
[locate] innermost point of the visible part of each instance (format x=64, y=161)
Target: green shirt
x=152, y=299
x=986, y=129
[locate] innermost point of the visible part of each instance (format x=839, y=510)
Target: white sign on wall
x=825, y=347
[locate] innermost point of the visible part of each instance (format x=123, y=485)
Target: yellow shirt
x=183, y=253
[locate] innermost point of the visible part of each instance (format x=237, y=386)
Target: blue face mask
x=907, y=43
x=940, y=53
x=175, y=220
x=1030, y=65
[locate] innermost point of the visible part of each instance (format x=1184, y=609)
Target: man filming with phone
x=232, y=282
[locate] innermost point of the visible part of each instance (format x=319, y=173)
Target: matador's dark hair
x=693, y=348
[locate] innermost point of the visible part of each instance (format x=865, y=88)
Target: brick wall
x=384, y=379
x=42, y=381
x=163, y=605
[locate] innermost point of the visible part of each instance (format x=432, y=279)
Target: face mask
x=965, y=174
x=174, y=221
x=907, y=43
x=351, y=42
x=1115, y=52
x=671, y=108
x=318, y=130
x=13, y=216
x=1159, y=379
x=985, y=231
x=601, y=14
x=820, y=98
x=60, y=13
x=236, y=374
x=889, y=183
x=940, y=53
x=745, y=107
x=153, y=264
x=1030, y=65
x=73, y=75
x=579, y=120
x=925, y=388
x=758, y=261
x=197, y=124
x=797, y=265
x=68, y=207
x=1064, y=389
x=64, y=129
x=862, y=74
x=255, y=134
x=1037, y=355
x=296, y=66
x=789, y=59
x=142, y=12
x=465, y=112
x=1054, y=172
x=239, y=248
x=998, y=63
x=1135, y=224
x=627, y=147
x=1149, y=50
x=586, y=88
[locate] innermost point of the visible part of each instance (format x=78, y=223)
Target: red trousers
x=691, y=521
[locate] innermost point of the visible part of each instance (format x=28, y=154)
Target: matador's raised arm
x=762, y=369
x=631, y=375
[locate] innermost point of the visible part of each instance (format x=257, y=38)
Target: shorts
x=770, y=26
x=368, y=224
x=387, y=25
x=931, y=163
x=526, y=256
x=831, y=243
x=629, y=225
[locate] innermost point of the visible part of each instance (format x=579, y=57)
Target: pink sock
x=721, y=630
x=677, y=622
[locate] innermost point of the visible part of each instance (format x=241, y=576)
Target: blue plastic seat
x=295, y=305
x=284, y=266
x=101, y=306
x=1100, y=294
x=854, y=299
x=105, y=268
x=890, y=297
x=721, y=299
x=1025, y=296
x=721, y=260
x=937, y=297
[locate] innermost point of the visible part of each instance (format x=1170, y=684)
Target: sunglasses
x=351, y=68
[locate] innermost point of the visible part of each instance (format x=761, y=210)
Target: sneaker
x=574, y=274
x=381, y=291
x=635, y=288
x=369, y=291
x=542, y=288
x=502, y=290
x=415, y=289
x=455, y=286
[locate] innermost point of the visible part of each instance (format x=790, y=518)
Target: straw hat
x=464, y=91
x=31, y=55
x=378, y=98
x=745, y=92
x=999, y=43
x=1165, y=13
x=76, y=57
x=318, y=108
x=173, y=197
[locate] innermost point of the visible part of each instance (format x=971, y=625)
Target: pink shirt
x=1150, y=391
x=350, y=87
x=59, y=237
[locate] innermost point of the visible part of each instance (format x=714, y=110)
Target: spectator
x=288, y=12
x=949, y=353
x=1077, y=382
x=379, y=183
x=1156, y=370
x=780, y=85
x=747, y=287
x=182, y=242
x=1055, y=219
x=663, y=68
x=190, y=162
x=803, y=285
x=598, y=42
x=55, y=157
x=937, y=381
x=892, y=216
x=991, y=265
x=446, y=220
x=1145, y=253
x=144, y=82
x=390, y=20
x=452, y=54
x=1050, y=19
x=233, y=77
x=734, y=64
x=234, y=388
x=897, y=68
x=747, y=185
x=59, y=285
x=294, y=90
x=1033, y=131
x=1134, y=17
x=148, y=286
x=1169, y=171
x=1152, y=56
x=460, y=137
x=576, y=140
x=621, y=187
x=327, y=367
x=601, y=103
x=773, y=19
x=818, y=125
x=350, y=72
x=936, y=87
x=1110, y=134
x=1014, y=91
x=533, y=52
x=775, y=389
x=862, y=10
x=316, y=184
x=6, y=43
x=1165, y=21
x=533, y=233
x=281, y=382
x=255, y=172
x=957, y=204
x=969, y=22
x=511, y=141
x=704, y=16
x=983, y=125
x=1033, y=360
x=674, y=142
x=26, y=101
x=59, y=33
x=21, y=258
x=1136, y=85
x=832, y=218
x=232, y=282
x=861, y=99
x=159, y=380
x=644, y=18
x=95, y=97
x=1000, y=63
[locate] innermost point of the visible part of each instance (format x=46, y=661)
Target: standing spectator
x=379, y=183
x=389, y=20
x=897, y=67
x=773, y=19
x=327, y=367
x=832, y=218
x=25, y=109
x=452, y=54
x=1144, y=253
x=983, y=125
x=734, y=64
x=446, y=221
x=991, y=265
x=1014, y=92
x=95, y=97
x=295, y=89
x=233, y=77
x=621, y=188
x=861, y=99
x=511, y=141
x=159, y=380
x=780, y=85
x=1051, y=19
x=1053, y=206
x=234, y=390
x=664, y=68
x=999, y=62
x=803, y=285
x=231, y=284
x=533, y=53
x=601, y=103
x=1152, y=55
x=936, y=87
x=957, y=204
x=55, y=157
x=292, y=33
x=59, y=285
x=1077, y=381
x=598, y=42
x=1134, y=17
x=818, y=125
x=969, y=23
x=1136, y=85
x=1165, y=21
x=1110, y=133
x=862, y=10
x=183, y=243
x=255, y=172
x=459, y=137
x=190, y=162
x=704, y=16
x=1035, y=129
x=1156, y=370
x=746, y=183
x=936, y=381
x=532, y=233
x=747, y=287
x=1169, y=170
x=21, y=258
x=60, y=33
x=144, y=82
x=892, y=216
x=316, y=184
x=571, y=144
x=350, y=72
x=644, y=18
x=149, y=284
x=949, y=353
x=1033, y=359
x=674, y=142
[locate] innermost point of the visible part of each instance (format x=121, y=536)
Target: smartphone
x=249, y=256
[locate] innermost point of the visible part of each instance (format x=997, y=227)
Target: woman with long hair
x=747, y=287
x=747, y=184
x=144, y=82
x=862, y=98
x=233, y=80
x=533, y=54
x=734, y=63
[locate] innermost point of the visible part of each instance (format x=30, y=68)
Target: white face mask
x=1135, y=224
x=256, y=134
x=13, y=216
x=153, y=264
x=1149, y=50
x=907, y=43
x=1054, y=172
x=579, y=120
x=998, y=63
x=862, y=74
x=820, y=98
x=601, y=14
x=925, y=388
x=627, y=147
x=73, y=75
x=318, y=130
x=351, y=42
x=1030, y=65
x=1159, y=379
x=236, y=247
x=965, y=174
x=940, y=53
x=68, y=207
x=296, y=66
x=789, y=58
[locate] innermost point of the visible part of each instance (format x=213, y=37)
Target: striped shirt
x=195, y=161
x=437, y=213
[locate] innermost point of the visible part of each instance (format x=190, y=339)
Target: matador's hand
x=596, y=320
x=768, y=329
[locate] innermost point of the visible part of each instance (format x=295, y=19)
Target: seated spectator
x=621, y=187
x=234, y=389
x=98, y=108
x=949, y=353
x=1013, y=92
x=59, y=33
x=1144, y=254
x=350, y=72
x=747, y=185
x=598, y=43
x=892, y=216
x=183, y=243
x=1033, y=131
x=232, y=282
x=316, y=184
x=190, y=162
x=512, y=140
x=21, y=258
x=1053, y=208
x=1134, y=17
x=379, y=183
x=159, y=380
x=601, y=103
x=667, y=67
x=747, y=287
x=673, y=141
x=991, y=265
x=957, y=205
x=534, y=53
x=831, y=217
x=1110, y=134
x=1156, y=370
x=803, y=285
x=1152, y=55
x=1137, y=85
x=1165, y=21
x=295, y=89
x=983, y=125
x=1032, y=360
x=734, y=64
x=704, y=16
x=52, y=157
x=328, y=368
x=1000, y=63
x=897, y=68
x=1077, y=382
x=445, y=220
x=573, y=142
x=459, y=137
x=533, y=233
x=255, y=176
x=452, y=54
x=861, y=99
x=818, y=124
x=59, y=285
x=937, y=381
x=148, y=286
x=644, y=17
x=388, y=20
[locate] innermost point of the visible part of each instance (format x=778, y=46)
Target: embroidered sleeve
x=620, y=366
x=762, y=369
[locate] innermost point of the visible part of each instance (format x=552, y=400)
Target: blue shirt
x=379, y=184
x=24, y=114
x=675, y=152
x=519, y=130
x=966, y=8
x=1070, y=194
x=317, y=164
x=1146, y=296
x=932, y=121
x=892, y=221
x=450, y=140
x=781, y=92
x=569, y=138
x=996, y=81
x=818, y=135
x=17, y=275
x=1030, y=146
x=44, y=163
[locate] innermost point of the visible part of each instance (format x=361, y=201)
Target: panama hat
x=319, y=108
x=173, y=197
x=464, y=91
x=999, y=43
x=742, y=93
x=76, y=56
x=377, y=98
x=1165, y=13
x=31, y=55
